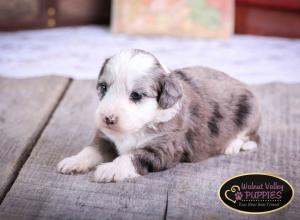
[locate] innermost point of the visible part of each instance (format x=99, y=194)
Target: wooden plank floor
x=26, y=105
x=42, y=192
x=186, y=192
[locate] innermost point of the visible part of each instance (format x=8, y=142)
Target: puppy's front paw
x=121, y=168
x=73, y=165
x=82, y=162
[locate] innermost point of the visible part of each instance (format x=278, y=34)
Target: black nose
x=110, y=120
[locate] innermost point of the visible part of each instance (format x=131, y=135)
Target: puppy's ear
x=102, y=67
x=169, y=92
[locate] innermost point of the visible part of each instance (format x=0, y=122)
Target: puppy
x=149, y=118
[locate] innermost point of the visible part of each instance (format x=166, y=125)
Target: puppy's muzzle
x=110, y=120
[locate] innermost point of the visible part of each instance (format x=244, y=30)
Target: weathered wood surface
x=25, y=106
x=40, y=192
x=189, y=191
x=193, y=194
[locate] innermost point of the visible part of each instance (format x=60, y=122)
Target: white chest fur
x=128, y=142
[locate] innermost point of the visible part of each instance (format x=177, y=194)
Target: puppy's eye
x=102, y=88
x=135, y=96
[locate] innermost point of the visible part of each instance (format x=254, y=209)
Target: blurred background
x=256, y=41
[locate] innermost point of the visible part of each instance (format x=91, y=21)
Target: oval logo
x=256, y=193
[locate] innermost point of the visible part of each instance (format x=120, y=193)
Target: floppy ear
x=102, y=67
x=169, y=93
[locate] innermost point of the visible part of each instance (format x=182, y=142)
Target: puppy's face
x=133, y=88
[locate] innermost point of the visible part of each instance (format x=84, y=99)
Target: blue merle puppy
x=150, y=119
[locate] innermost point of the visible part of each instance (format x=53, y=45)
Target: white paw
x=249, y=145
x=82, y=162
x=73, y=165
x=120, y=169
x=234, y=147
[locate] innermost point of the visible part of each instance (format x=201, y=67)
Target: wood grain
x=189, y=191
x=40, y=192
x=193, y=194
x=25, y=106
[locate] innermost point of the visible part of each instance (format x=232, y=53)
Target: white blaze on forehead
x=126, y=72
x=129, y=65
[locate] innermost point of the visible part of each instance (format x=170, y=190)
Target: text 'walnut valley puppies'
x=150, y=119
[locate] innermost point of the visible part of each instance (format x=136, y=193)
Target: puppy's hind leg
x=243, y=142
x=234, y=146
x=252, y=142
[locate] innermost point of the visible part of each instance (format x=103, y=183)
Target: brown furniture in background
x=268, y=17
x=258, y=17
x=30, y=14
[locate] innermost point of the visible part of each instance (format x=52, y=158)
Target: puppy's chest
x=126, y=143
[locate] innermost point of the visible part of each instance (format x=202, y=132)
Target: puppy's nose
x=110, y=120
